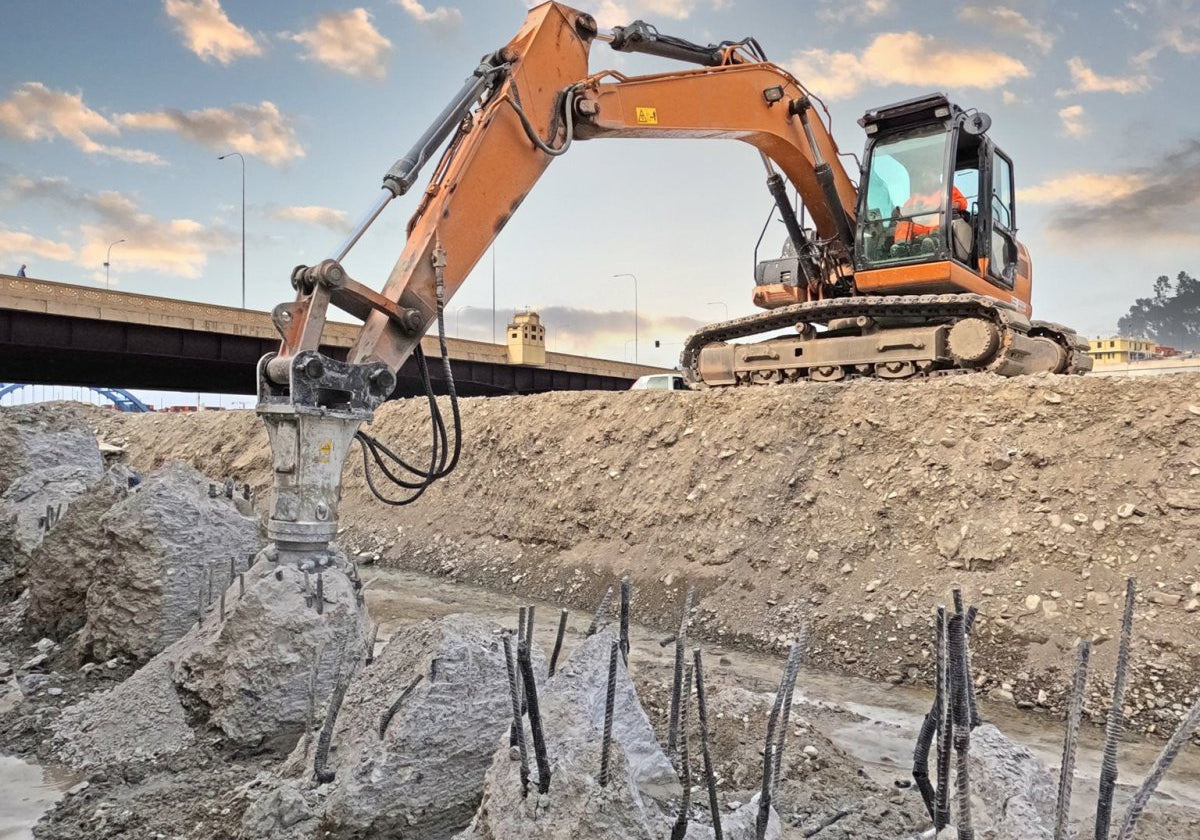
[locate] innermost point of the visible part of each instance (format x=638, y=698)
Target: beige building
x=526, y=339
x=1119, y=350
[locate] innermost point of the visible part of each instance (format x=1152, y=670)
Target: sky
x=113, y=114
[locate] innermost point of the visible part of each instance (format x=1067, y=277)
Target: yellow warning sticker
x=324, y=451
x=647, y=116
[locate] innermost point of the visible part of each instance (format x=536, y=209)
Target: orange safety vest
x=907, y=229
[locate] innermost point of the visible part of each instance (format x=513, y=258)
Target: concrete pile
x=252, y=674
x=44, y=471
x=169, y=548
x=62, y=568
x=415, y=736
x=642, y=794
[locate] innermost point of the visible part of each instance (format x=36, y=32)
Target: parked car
x=660, y=382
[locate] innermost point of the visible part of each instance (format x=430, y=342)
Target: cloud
x=611, y=13
x=444, y=16
x=842, y=11
x=1009, y=21
x=327, y=217
x=347, y=42
x=20, y=246
x=1073, y=125
x=1143, y=205
x=1173, y=24
x=1087, y=80
x=35, y=112
x=1083, y=188
x=208, y=32
x=259, y=130
x=908, y=58
x=178, y=247
x=1010, y=98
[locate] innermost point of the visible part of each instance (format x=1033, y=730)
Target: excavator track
x=888, y=337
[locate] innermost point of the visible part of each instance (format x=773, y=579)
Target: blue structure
x=119, y=397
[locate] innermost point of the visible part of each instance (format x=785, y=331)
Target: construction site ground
x=854, y=508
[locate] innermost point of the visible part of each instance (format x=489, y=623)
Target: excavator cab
x=936, y=211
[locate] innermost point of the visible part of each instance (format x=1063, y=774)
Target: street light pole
x=107, y=261
x=238, y=155
x=635, y=314
x=721, y=303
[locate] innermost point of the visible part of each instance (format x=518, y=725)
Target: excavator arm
x=523, y=106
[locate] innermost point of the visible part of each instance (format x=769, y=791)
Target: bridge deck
x=62, y=334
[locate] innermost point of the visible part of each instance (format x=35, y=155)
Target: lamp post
x=458, y=319
x=107, y=261
x=721, y=303
x=238, y=155
x=635, y=314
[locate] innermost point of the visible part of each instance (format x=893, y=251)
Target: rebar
x=710, y=777
x=520, y=626
x=517, y=730
x=626, y=591
x=232, y=568
x=1140, y=799
x=1066, y=775
x=529, y=624
x=957, y=644
x=321, y=773
x=387, y=716
x=929, y=727
x=370, y=657
x=677, y=679
x=241, y=585
x=320, y=594
x=972, y=704
x=311, y=712
x=941, y=811
x=685, y=770
x=558, y=641
x=957, y=596
x=795, y=655
x=535, y=717
x=601, y=613
x=666, y=640
x=200, y=606
x=609, y=697
x=210, y=586
x=308, y=601
x=1116, y=720
x=222, y=605
x=764, y=799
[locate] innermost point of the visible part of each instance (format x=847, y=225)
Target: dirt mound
x=856, y=505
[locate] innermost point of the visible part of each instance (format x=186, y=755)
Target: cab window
x=1002, y=196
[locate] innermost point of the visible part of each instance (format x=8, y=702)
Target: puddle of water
x=27, y=791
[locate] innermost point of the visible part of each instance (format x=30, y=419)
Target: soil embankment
x=854, y=506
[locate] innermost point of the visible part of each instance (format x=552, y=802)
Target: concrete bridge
x=61, y=334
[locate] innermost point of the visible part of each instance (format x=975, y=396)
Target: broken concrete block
x=249, y=674
x=1014, y=791
x=61, y=569
x=424, y=777
x=166, y=540
x=634, y=804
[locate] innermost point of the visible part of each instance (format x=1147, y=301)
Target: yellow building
x=526, y=339
x=1118, y=350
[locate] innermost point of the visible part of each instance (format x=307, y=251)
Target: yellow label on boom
x=647, y=116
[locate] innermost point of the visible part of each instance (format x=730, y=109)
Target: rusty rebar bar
x=386, y=717
x=626, y=593
x=1066, y=774
x=601, y=613
x=1116, y=720
x=1140, y=799
x=558, y=641
x=321, y=772
x=685, y=770
x=941, y=811
x=517, y=730
x=609, y=698
x=961, y=715
x=972, y=703
x=535, y=717
x=795, y=655
x=710, y=776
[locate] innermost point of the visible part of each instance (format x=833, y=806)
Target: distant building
x=1119, y=350
x=526, y=339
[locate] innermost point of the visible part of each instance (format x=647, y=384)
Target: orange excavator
x=916, y=270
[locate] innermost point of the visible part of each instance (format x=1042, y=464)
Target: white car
x=660, y=382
